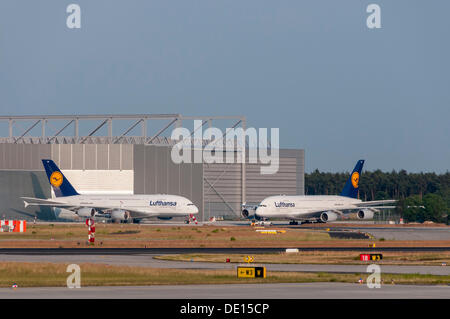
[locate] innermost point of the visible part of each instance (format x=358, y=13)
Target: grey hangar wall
x=216, y=189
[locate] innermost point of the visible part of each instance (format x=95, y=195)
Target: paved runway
x=390, y=233
x=236, y=291
x=406, y=233
x=200, y=250
x=149, y=261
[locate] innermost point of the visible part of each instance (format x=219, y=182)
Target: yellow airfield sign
x=251, y=272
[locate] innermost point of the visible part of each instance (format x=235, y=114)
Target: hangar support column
x=243, y=173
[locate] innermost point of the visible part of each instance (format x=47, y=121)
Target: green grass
x=53, y=275
x=71, y=232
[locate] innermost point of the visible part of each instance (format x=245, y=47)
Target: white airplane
x=319, y=208
x=117, y=207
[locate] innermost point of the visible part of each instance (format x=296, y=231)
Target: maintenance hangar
x=130, y=164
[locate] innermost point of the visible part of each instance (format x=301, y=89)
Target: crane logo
x=56, y=179
x=355, y=179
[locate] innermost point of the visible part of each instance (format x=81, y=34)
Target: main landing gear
x=294, y=222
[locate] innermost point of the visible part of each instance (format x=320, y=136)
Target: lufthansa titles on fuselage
x=284, y=204
x=162, y=203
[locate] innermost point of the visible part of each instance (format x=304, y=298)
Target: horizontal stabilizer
x=30, y=201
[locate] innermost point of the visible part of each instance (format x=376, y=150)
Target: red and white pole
x=193, y=218
x=91, y=230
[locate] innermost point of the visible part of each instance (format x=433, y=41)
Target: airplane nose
x=194, y=210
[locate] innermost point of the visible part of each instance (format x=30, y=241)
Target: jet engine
x=328, y=217
x=119, y=215
x=86, y=212
x=250, y=214
x=365, y=214
x=246, y=214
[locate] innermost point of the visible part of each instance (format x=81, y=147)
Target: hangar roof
x=56, y=129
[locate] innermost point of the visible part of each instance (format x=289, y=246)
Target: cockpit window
x=190, y=204
x=262, y=205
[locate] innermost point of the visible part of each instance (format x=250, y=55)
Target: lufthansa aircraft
x=320, y=208
x=117, y=207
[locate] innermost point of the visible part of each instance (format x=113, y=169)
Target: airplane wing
x=30, y=201
x=341, y=211
x=377, y=202
x=376, y=207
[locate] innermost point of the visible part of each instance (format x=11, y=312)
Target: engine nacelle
x=246, y=214
x=86, y=212
x=328, y=217
x=119, y=215
x=250, y=214
x=365, y=214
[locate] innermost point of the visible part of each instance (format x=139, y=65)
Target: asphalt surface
x=149, y=261
x=235, y=291
x=225, y=250
x=406, y=233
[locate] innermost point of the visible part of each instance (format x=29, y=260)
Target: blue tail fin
x=352, y=185
x=60, y=184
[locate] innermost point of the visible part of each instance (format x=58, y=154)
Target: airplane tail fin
x=352, y=185
x=60, y=184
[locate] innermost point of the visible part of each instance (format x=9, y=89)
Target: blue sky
x=312, y=68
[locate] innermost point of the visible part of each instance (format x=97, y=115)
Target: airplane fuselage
x=303, y=206
x=151, y=205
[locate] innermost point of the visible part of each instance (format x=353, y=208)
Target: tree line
x=422, y=196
